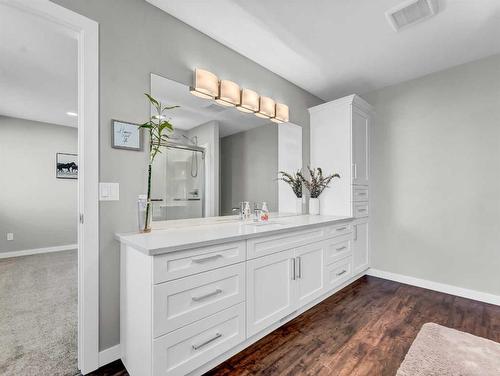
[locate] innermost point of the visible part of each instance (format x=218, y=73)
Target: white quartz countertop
x=171, y=237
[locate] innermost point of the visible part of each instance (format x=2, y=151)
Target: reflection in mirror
x=217, y=157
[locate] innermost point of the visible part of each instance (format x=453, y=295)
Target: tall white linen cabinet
x=340, y=141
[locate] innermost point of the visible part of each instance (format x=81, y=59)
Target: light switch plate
x=109, y=191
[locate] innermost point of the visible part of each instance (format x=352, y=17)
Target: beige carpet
x=441, y=351
x=38, y=315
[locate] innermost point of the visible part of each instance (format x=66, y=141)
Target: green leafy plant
x=317, y=182
x=159, y=129
x=294, y=181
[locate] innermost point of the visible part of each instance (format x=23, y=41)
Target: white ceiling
x=194, y=111
x=337, y=47
x=38, y=68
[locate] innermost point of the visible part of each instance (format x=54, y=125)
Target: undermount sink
x=265, y=223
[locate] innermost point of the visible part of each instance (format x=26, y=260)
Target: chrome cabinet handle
x=340, y=248
x=355, y=173
x=293, y=269
x=342, y=272
x=361, y=210
x=198, y=298
x=217, y=335
x=341, y=229
x=204, y=259
x=361, y=193
x=299, y=263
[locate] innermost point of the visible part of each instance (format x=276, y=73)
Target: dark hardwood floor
x=365, y=329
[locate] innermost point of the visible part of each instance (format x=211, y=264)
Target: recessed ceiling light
x=69, y=113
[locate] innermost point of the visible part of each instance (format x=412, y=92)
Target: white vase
x=314, y=206
x=298, y=205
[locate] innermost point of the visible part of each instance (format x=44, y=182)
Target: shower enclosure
x=179, y=183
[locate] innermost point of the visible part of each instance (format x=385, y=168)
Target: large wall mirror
x=218, y=156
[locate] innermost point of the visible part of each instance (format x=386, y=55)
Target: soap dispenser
x=264, y=212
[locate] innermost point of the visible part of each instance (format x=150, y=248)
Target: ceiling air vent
x=411, y=12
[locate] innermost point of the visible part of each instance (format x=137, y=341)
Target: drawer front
x=183, y=263
x=183, y=301
x=360, y=194
x=338, y=272
x=337, y=248
x=188, y=348
x=337, y=230
x=360, y=209
x=271, y=244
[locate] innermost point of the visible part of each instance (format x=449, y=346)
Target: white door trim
x=88, y=170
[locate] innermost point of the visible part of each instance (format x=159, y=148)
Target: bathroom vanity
x=194, y=295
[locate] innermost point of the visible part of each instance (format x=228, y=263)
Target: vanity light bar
x=249, y=101
x=266, y=108
x=206, y=84
x=228, y=93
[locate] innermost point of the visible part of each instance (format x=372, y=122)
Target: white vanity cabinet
x=186, y=308
x=340, y=142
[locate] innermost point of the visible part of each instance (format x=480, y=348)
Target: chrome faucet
x=240, y=210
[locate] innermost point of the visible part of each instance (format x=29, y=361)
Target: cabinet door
x=271, y=290
x=360, y=248
x=309, y=272
x=360, y=144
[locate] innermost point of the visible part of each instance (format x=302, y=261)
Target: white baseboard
x=436, y=286
x=109, y=355
x=35, y=251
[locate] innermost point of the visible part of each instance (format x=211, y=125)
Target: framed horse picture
x=66, y=166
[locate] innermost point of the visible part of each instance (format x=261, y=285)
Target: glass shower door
x=185, y=180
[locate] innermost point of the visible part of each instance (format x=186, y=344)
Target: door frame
x=88, y=171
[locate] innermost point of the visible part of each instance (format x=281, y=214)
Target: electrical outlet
x=10, y=236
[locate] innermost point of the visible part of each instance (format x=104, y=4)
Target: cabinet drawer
x=338, y=272
x=183, y=301
x=188, y=348
x=337, y=248
x=183, y=263
x=360, y=209
x=337, y=230
x=360, y=194
x=271, y=244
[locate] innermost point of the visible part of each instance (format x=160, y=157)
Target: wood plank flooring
x=365, y=329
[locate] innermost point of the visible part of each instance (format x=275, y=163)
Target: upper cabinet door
x=360, y=147
x=271, y=290
x=309, y=272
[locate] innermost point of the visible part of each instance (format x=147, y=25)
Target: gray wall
x=249, y=167
x=135, y=40
x=436, y=177
x=39, y=209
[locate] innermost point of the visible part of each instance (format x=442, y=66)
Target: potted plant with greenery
x=316, y=185
x=159, y=130
x=295, y=182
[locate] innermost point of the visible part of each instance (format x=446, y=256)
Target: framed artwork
x=125, y=135
x=66, y=166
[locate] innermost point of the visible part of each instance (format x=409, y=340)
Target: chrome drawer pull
x=203, y=259
x=198, y=298
x=299, y=261
x=341, y=248
x=361, y=193
x=342, y=272
x=196, y=347
x=341, y=228
x=361, y=210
